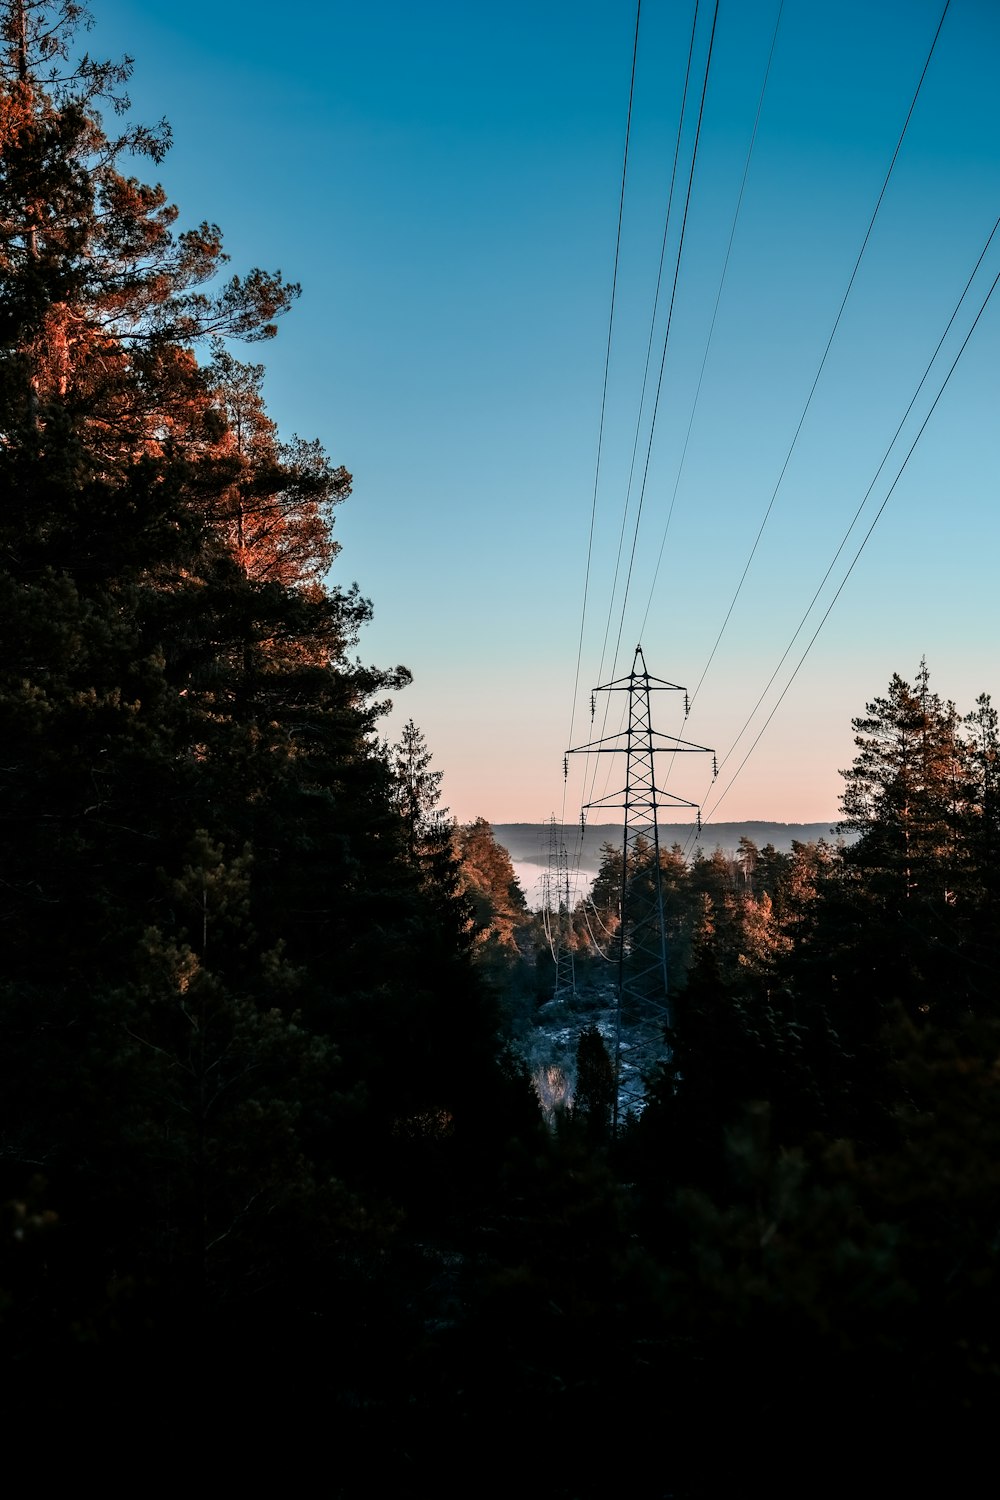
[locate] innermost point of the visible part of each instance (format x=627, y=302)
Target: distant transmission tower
x=557, y=913
x=643, y=1010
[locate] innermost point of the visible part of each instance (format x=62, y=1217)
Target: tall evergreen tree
x=594, y=1096
x=416, y=789
x=904, y=795
x=226, y=988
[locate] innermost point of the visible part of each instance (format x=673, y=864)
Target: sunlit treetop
x=94, y=249
x=103, y=306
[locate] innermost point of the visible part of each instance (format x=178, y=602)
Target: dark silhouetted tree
x=594, y=1096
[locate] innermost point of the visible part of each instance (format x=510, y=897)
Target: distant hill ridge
x=528, y=843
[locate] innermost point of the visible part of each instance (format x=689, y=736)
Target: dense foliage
x=243, y=1040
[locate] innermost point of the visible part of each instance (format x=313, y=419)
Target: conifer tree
x=905, y=792
x=983, y=826
x=276, y=512
x=488, y=880
x=416, y=789
x=181, y=722
x=594, y=1097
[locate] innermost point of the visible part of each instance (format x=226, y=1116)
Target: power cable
x=649, y=344
x=666, y=337
x=857, y=514
x=588, y=795
x=708, y=346
x=607, y=367
x=826, y=351
x=608, y=959
x=663, y=358
x=878, y=514
x=715, y=314
x=604, y=402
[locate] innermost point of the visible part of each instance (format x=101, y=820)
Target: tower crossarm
x=671, y=742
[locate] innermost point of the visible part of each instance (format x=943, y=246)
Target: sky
x=444, y=180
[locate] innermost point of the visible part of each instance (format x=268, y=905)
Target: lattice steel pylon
x=557, y=915
x=643, y=1011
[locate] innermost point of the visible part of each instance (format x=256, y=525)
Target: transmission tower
x=643, y=1011
x=557, y=913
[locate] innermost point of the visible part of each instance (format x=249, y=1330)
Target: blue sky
x=443, y=179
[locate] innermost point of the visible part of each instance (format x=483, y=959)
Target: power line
x=652, y=330
x=607, y=366
x=715, y=313
x=826, y=351
x=857, y=514
x=708, y=342
x=666, y=337
x=588, y=794
x=604, y=402
x=864, y=542
x=666, y=342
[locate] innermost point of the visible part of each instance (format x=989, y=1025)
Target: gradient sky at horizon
x=443, y=179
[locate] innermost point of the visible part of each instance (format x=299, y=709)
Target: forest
x=275, y=1185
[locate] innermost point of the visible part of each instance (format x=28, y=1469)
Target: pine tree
x=983, y=810
x=487, y=879
x=905, y=792
x=276, y=511
x=416, y=789
x=892, y=921
x=606, y=890
x=594, y=1096
x=181, y=721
